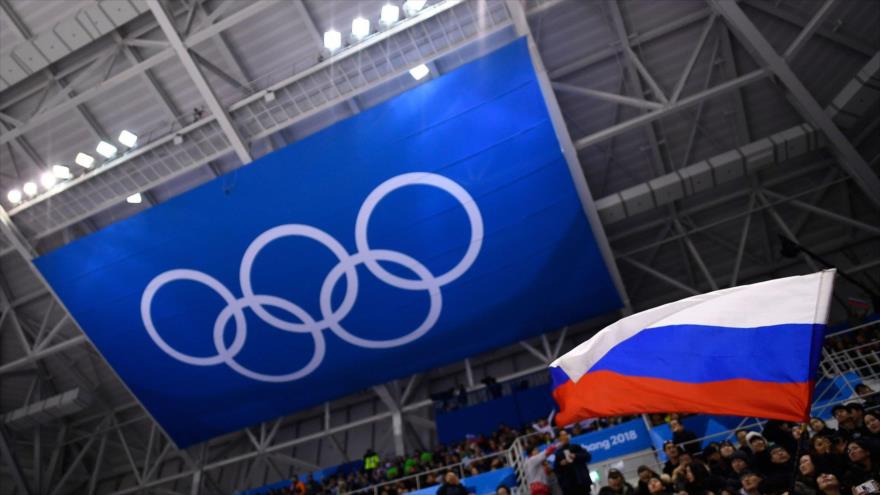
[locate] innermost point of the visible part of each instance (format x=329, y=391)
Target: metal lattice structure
x=702, y=130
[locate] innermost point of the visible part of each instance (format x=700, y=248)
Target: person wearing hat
x=760, y=454
x=616, y=485
x=779, y=473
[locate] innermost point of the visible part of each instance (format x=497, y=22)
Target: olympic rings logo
x=331, y=318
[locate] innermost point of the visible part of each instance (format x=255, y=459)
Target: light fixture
x=106, y=149
x=134, y=199
x=390, y=14
x=360, y=27
x=178, y=140
x=332, y=40
x=128, y=139
x=412, y=7
x=84, y=160
x=61, y=172
x=14, y=196
x=30, y=188
x=419, y=72
x=48, y=180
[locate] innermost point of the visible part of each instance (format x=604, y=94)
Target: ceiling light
x=48, y=180
x=84, y=160
x=128, y=139
x=412, y=7
x=390, y=14
x=14, y=196
x=30, y=189
x=61, y=172
x=134, y=199
x=360, y=27
x=332, y=40
x=106, y=149
x=420, y=71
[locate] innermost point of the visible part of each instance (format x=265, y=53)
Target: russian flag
x=745, y=351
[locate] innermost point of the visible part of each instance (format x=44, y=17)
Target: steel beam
x=521, y=23
x=661, y=276
x=755, y=42
x=603, y=95
x=12, y=464
x=808, y=30
x=192, y=69
x=671, y=108
x=873, y=229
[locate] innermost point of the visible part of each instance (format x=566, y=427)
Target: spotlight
x=412, y=7
x=84, y=160
x=332, y=40
x=30, y=188
x=419, y=72
x=106, y=149
x=134, y=199
x=390, y=14
x=360, y=27
x=14, y=196
x=127, y=138
x=48, y=180
x=61, y=172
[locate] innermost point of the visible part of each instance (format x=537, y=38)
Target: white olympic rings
x=331, y=319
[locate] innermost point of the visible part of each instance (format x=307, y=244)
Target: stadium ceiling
x=703, y=129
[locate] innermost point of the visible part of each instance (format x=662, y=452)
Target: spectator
x=872, y=425
x=502, y=490
x=845, y=424
x=451, y=485
x=673, y=456
x=824, y=458
x=817, y=425
x=312, y=486
x=779, y=473
x=645, y=475
x=741, y=440
x=299, y=488
x=862, y=465
x=371, y=460
x=828, y=484
x=750, y=483
x=536, y=470
x=657, y=487
x=857, y=412
x=616, y=485
x=805, y=481
x=571, y=467
x=871, y=398
x=684, y=438
x=760, y=455
x=698, y=479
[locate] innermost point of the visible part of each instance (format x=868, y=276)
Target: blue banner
x=440, y=224
x=617, y=441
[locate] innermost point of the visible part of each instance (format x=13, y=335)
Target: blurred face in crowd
x=655, y=486
x=671, y=451
x=675, y=426
x=806, y=466
x=855, y=452
x=822, y=445
x=817, y=425
x=779, y=455
x=727, y=450
x=841, y=415
x=738, y=465
x=758, y=444
x=872, y=423
x=615, y=481
x=684, y=458
x=827, y=482
x=564, y=437
x=645, y=475
x=857, y=414
x=750, y=482
x=451, y=478
x=502, y=490
x=741, y=436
